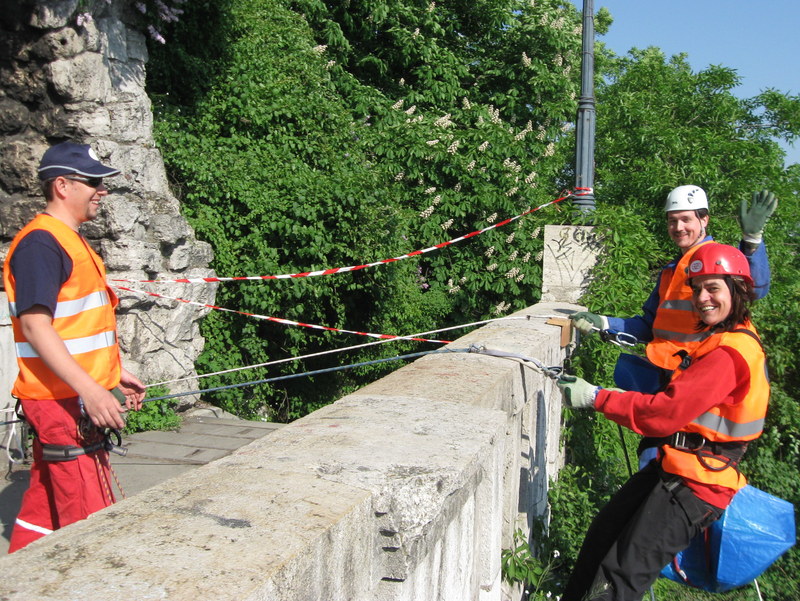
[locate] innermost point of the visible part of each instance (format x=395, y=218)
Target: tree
x=300, y=142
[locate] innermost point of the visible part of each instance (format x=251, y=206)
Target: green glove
x=578, y=393
x=586, y=321
x=763, y=204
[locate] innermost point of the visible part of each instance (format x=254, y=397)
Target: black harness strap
x=57, y=452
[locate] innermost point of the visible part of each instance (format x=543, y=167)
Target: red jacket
x=723, y=395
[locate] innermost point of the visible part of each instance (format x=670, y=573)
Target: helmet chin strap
x=700, y=236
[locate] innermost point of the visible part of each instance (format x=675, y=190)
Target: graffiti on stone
x=570, y=254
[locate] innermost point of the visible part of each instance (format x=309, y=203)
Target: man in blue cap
x=62, y=313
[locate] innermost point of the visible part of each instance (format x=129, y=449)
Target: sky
x=759, y=39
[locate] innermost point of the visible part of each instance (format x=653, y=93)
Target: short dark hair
x=742, y=294
x=699, y=213
x=47, y=188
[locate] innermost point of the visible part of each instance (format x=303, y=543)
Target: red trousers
x=60, y=492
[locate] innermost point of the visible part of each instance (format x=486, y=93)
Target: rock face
x=60, y=81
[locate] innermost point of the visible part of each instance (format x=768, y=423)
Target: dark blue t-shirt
x=40, y=267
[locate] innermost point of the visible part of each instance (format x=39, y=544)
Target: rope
x=116, y=479
x=347, y=348
x=304, y=274
x=303, y=374
x=101, y=474
x=551, y=372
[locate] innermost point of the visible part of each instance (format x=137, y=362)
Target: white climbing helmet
x=686, y=198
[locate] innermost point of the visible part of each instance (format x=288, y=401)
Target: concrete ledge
x=406, y=489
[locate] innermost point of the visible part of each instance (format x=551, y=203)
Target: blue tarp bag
x=755, y=530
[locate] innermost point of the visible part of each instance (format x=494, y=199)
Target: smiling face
x=85, y=198
x=711, y=298
x=685, y=228
x=76, y=200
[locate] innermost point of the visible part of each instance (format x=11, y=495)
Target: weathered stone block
x=19, y=163
x=86, y=121
x=82, y=78
x=124, y=255
x=16, y=211
x=14, y=116
x=64, y=43
x=52, y=14
x=113, y=39
x=24, y=85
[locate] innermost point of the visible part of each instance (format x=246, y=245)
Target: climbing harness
x=108, y=439
x=730, y=453
x=111, y=441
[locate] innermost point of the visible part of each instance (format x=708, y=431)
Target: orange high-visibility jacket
x=743, y=421
x=84, y=318
x=674, y=325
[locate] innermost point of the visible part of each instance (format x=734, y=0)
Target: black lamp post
x=585, y=121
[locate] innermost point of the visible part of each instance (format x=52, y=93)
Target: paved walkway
x=152, y=458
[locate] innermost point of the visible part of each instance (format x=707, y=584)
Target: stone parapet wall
x=407, y=489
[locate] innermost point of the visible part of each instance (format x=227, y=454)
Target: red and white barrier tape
x=288, y=322
x=306, y=274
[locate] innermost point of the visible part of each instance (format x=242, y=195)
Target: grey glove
x=585, y=321
x=753, y=219
x=578, y=393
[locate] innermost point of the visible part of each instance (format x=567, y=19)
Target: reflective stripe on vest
x=71, y=308
x=680, y=337
x=76, y=346
x=730, y=428
x=678, y=305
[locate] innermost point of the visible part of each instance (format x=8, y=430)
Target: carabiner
x=621, y=339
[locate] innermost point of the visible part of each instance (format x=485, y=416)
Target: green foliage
x=300, y=148
x=521, y=565
x=156, y=415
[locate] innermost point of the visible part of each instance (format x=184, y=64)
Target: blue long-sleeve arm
x=759, y=268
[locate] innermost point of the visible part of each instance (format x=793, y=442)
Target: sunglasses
x=92, y=182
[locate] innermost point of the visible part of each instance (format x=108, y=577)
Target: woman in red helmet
x=713, y=407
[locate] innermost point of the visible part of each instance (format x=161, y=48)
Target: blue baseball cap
x=70, y=158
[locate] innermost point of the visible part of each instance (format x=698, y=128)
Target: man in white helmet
x=667, y=323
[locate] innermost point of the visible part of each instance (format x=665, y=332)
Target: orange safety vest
x=740, y=422
x=674, y=327
x=84, y=318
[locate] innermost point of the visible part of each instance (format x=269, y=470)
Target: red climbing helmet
x=719, y=259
